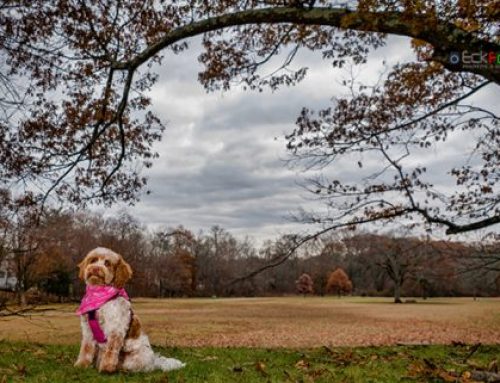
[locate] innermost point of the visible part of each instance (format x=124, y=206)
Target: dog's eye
x=107, y=263
x=93, y=260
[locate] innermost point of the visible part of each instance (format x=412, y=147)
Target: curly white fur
x=136, y=354
x=124, y=349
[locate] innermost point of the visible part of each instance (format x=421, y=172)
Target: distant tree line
x=177, y=262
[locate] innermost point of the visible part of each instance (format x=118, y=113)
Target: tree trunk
x=397, y=292
x=21, y=298
x=424, y=293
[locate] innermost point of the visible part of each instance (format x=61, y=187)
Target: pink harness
x=95, y=297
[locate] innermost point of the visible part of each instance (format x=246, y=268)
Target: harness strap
x=95, y=327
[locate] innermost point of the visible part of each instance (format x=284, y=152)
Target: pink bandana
x=95, y=297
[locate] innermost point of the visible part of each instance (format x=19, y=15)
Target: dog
x=112, y=336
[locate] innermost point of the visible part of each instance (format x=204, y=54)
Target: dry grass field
x=283, y=322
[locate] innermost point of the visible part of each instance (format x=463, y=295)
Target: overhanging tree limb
x=444, y=36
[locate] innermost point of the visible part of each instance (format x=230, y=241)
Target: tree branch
x=445, y=37
x=307, y=238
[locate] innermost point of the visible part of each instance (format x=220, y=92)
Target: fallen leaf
x=328, y=350
x=447, y=377
x=20, y=369
x=474, y=365
x=466, y=374
x=261, y=367
x=208, y=358
x=288, y=376
x=430, y=364
x=40, y=352
x=493, y=366
x=415, y=369
x=315, y=374
x=302, y=364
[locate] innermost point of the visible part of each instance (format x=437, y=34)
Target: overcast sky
x=222, y=154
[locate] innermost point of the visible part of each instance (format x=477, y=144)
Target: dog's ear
x=123, y=273
x=81, y=266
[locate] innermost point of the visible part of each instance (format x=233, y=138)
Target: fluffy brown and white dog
x=112, y=336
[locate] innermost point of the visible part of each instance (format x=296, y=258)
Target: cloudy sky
x=222, y=155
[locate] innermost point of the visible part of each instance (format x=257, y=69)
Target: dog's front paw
x=107, y=367
x=82, y=363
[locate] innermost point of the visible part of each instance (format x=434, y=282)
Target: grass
x=54, y=363
x=283, y=322
x=291, y=339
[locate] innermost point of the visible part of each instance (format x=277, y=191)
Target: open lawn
x=291, y=339
x=283, y=322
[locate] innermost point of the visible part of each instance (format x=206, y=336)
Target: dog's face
x=102, y=266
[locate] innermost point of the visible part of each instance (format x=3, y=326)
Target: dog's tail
x=167, y=364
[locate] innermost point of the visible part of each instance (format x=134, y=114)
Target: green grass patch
x=28, y=362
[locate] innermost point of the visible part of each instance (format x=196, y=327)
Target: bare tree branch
x=444, y=36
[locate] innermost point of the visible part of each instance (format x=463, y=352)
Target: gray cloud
x=221, y=158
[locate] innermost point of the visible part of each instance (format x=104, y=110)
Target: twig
x=22, y=312
x=472, y=351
